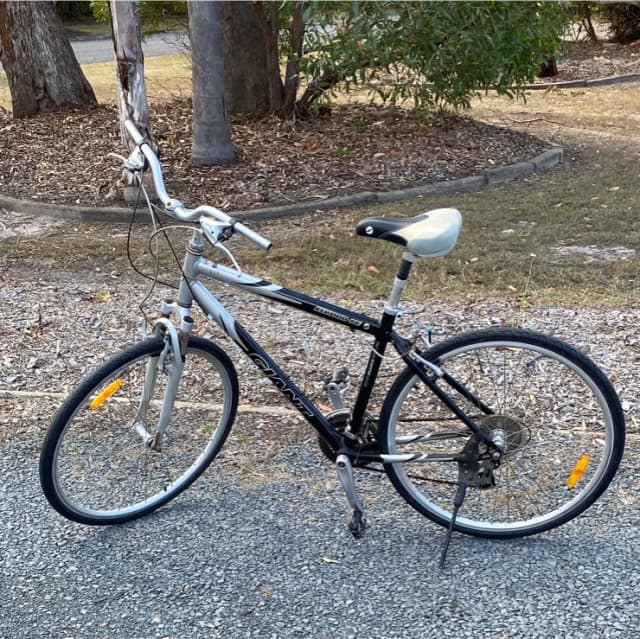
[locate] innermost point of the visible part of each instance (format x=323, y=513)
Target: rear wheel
x=98, y=464
x=562, y=420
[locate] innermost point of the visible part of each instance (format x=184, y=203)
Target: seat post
x=393, y=305
x=391, y=311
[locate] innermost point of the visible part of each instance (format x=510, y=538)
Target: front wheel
x=563, y=423
x=101, y=462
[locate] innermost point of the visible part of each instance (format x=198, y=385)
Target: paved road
x=101, y=49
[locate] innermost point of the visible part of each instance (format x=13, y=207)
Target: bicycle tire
x=96, y=469
x=563, y=415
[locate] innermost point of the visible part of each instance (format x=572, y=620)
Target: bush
x=624, y=18
x=73, y=10
x=152, y=13
x=436, y=54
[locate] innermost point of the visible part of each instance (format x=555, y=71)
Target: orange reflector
x=103, y=396
x=578, y=471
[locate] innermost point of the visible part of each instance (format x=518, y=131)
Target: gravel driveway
x=275, y=560
x=259, y=546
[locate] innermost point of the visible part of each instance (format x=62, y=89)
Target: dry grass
x=165, y=77
x=5, y=96
x=571, y=236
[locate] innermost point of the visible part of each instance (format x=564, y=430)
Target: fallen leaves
x=359, y=148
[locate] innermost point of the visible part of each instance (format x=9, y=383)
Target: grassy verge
x=522, y=241
x=165, y=77
x=571, y=236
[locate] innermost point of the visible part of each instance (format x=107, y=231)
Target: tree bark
x=315, y=89
x=269, y=22
x=246, y=75
x=549, y=68
x=41, y=67
x=211, y=133
x=127, y=43
x=291, y=76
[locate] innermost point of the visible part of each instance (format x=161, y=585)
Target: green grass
x=87, y=28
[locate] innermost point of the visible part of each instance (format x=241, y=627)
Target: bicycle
x=496, y=433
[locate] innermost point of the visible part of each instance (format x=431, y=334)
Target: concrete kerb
x=580, y=84
x=489, y=177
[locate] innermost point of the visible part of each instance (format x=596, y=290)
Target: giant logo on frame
x=281, y=384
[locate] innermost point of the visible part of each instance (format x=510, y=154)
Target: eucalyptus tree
x=41, y=67
x=211, y=133
x=127, y=44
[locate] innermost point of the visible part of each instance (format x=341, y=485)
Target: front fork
x=169, y=362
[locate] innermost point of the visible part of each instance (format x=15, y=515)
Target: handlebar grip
x=252, y=236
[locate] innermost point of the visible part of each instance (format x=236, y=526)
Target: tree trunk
x=42, y=69
x=127, y=43
x=246, y=75
x=211, y=134
x=315, y=89
x=270, y=25
x=291, y=76
x=549, y=68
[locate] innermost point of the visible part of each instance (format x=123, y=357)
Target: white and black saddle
x=429, y=234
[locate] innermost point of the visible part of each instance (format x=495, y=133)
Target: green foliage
x=100, y=10
x=435, y=54
x=72, y=10
x=152, y=13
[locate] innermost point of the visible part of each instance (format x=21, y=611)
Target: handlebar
x=133, y=132
x=174, y=207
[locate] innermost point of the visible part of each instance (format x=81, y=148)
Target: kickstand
x=457, y=502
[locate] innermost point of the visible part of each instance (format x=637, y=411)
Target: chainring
x=340, y=420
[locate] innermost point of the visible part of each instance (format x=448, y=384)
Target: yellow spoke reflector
x=104, y=395
x=578, y=471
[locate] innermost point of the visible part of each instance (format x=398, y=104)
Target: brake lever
x=216, y=232
x=116, y=156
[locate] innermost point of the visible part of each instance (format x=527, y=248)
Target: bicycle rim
x=562, y=420
x=102, y=468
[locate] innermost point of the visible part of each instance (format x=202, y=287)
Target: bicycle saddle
x=429, y=234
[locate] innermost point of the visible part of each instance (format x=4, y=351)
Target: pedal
x=358, y=523
x=334, y=386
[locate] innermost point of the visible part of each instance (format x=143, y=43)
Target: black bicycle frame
x=381, y=331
